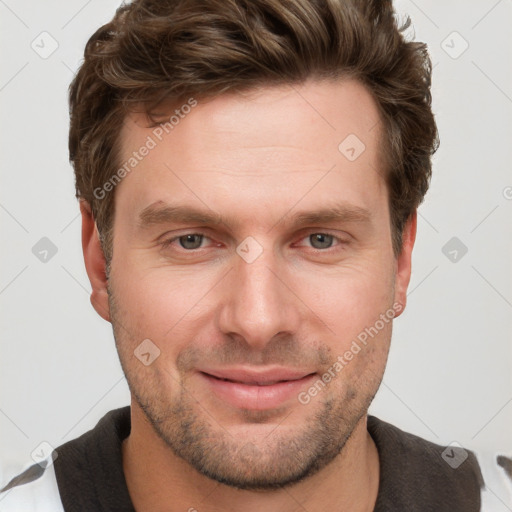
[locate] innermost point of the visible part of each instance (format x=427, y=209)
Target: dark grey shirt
x=415, y=474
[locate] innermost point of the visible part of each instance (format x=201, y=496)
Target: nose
x=258, y=302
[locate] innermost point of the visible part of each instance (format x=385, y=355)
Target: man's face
x=250, y=313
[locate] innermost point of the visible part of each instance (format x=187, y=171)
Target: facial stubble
x=289, y=454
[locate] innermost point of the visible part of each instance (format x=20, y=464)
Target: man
x=248, y=175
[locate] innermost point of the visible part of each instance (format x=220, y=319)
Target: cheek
x=350, y=299
x=358, y=362
x=159, y=303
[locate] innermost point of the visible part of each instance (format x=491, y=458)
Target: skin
x=255, y=158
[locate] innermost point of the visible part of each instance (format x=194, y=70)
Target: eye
x=190, y=241
x=321, y=240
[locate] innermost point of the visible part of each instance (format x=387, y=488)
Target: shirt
x=86, y=474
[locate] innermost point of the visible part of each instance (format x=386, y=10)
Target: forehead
x=264, y=145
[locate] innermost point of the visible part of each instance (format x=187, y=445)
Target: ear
x=95, y=263
x=403, y=262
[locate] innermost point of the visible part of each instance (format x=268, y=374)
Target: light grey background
x=449, y=375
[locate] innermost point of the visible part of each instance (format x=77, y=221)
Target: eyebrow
x=160, y=213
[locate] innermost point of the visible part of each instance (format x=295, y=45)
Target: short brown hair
x=164, y=50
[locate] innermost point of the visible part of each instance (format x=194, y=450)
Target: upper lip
x=257, y=376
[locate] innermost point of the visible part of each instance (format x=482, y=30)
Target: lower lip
x=245, y=396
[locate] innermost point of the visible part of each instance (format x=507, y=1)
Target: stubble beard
x=283, y=459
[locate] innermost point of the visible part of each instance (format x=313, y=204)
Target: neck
x=158, y=480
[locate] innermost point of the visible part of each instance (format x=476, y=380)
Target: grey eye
x=191, y=241
x=321, y=240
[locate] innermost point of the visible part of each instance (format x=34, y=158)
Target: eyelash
x=341, y=242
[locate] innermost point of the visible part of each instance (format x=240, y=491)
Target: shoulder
x=417, y=474
x=421, y=474
x=34, y=490
x=81, y=474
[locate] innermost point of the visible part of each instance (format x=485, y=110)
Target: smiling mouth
x=250, y=390
x=256, y=382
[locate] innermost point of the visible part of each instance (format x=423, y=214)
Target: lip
x=256, y=389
